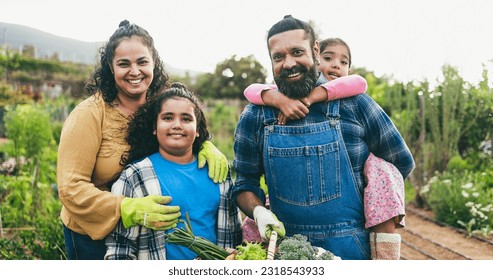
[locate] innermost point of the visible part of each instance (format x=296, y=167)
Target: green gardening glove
x=150, y=212
x=218, y=163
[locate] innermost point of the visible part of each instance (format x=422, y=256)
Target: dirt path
x=424, y=239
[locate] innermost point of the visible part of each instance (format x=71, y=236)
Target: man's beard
x=300, y=88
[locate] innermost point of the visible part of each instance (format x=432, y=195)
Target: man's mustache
x=284, y=74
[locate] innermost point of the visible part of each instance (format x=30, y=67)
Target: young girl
x=165, y=136
x=384, y=192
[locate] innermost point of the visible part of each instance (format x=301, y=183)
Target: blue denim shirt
x=365, y=127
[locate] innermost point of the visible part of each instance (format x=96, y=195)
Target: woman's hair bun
x=124, y=23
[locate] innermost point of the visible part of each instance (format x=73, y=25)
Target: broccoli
x=322, y=254
x=298, y=247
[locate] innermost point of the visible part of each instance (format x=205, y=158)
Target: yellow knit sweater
x=91, y=144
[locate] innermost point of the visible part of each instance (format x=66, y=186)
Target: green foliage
x=410, y=192
x=376, y=89
x=17, y=201
x=19, y=64
x=442, y=124
x=43, y=242
x=35, y=214
x=29, y=129
x=9, y=96
x=28, y=195
x=230, y=78
x=462, y=199
x=456, y=163
x=221, y=122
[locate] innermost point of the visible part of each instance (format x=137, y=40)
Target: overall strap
x=333, y=111
x=270, y=115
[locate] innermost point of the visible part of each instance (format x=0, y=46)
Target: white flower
x=487, y=208
x=475, y=194
x=469, y=204
x=433, y=180
x=467, y=186
x=424, y=189
x=465, y=194
x=481, y=215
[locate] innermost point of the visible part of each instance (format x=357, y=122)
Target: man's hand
x=267, y=222
x=150, y=212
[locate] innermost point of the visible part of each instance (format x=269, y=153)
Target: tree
x=230, y=78
x=29, y=51
x=478, y=123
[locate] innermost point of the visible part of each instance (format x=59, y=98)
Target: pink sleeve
x=346, y=86
x=253, y=93
x=384, y=195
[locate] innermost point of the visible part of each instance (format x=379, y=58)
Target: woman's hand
x=217, y=161
x=150, y=211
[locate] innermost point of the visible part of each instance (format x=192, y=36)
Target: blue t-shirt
x=195, y=193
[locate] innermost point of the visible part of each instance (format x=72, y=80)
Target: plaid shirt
x=139, y=242
x=365, y=128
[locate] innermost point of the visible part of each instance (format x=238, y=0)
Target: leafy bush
x=462, y=199
x=221, y=122
x=29, y=205
x=29, y=129
x=456, y=163
x=44, y=241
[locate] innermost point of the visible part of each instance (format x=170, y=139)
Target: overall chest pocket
x=305, y=176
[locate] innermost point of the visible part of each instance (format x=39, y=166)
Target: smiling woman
x=132, y=66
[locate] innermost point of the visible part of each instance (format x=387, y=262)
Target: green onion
x=204, y=248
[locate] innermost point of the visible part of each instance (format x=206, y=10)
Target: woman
x=93, y=140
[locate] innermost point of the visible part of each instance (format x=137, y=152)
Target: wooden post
x=1, y=226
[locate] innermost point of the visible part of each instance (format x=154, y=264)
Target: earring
x=154, y=132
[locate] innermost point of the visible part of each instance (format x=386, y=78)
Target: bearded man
x=314, y=166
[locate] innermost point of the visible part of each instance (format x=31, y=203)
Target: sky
x=401, y=39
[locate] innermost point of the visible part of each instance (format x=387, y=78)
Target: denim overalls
x=312, y=189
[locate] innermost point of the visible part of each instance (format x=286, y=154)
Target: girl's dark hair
x=289, y=23
x=103, y=79
x=140, y=131
x=335, y=41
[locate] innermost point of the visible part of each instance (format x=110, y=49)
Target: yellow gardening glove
x=150, y=212
x=217, y=161
x=267, y=222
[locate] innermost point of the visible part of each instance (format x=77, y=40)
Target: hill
x=15, y=36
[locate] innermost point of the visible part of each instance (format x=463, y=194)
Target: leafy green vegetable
x=204, y=248
x=251, y=251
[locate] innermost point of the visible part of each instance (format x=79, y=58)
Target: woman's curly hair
x=103, y=80
x=140, y=137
